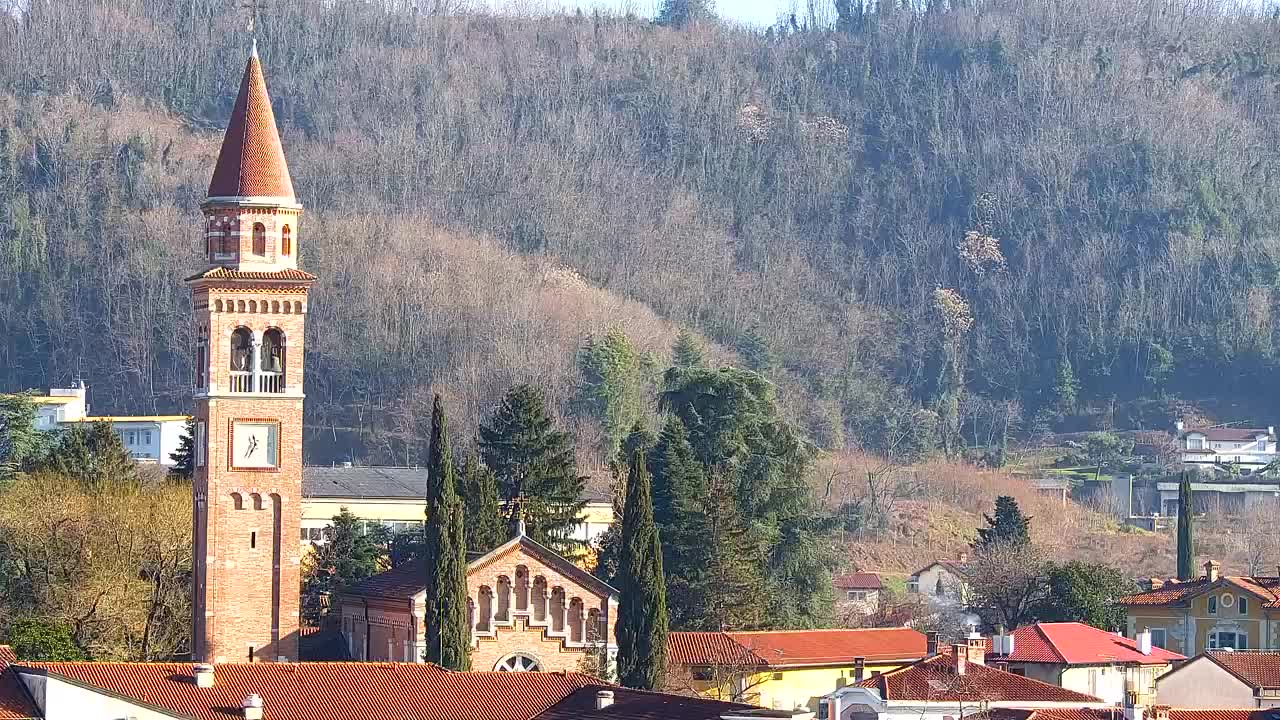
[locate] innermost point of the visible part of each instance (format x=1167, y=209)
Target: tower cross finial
x=252, y=8
x=519, y=503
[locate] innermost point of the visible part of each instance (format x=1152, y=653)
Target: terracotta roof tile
x=1079, y=644
x=400, y=582
x=935, y=679
x=790, y=648
x=1260, y=669
x=708, y=648
x=1264, y=587
x=251, y=162
x=1118, y=714
x=224, y=273
x=638, y=705
x=334, y=691
x=858, y=581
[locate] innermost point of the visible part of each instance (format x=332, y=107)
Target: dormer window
x=1195, y=442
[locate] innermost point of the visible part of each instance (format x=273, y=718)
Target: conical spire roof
x=251, y=162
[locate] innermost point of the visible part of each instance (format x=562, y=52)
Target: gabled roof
x=1072, y=643
x=955, y=567
x=858, y=581
x=935, y=680
x=639, y=705
x=1228, y=434
x=251, y=162
x=406, y=581
x=1265, y=588
x=1255, y=668
x=794, y=648
x=320, y=481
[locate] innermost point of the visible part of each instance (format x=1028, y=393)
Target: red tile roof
x=858, y=581
x=1118, y=714
x=1228, y=433
x=334, y=691
x=708, y=648
x=1259, y=669
x=1079, y=644
x=15, y=703
x=251, y=162
x=935, y=679
x=1264, y=587
x=791, y=648
x=639, y=705
x=223, y=273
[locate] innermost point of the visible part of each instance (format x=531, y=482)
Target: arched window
x=518, y=662
x=202, y=346
x=241, y=349
x=503, y=611
x=557, y=610
x=577, y=624
x=286, y=241
x=271, y=361
x=259, y=239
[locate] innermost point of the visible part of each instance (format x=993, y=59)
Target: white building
x=148, y=438
x=1250, y=449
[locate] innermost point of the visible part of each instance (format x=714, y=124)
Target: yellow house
x=396, y=498
x=785, y=669
x=1211, y=612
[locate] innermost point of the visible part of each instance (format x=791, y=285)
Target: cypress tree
x=1186, y=547
x=1008, y=526
x=642, y=608
x=486, y=528
x=531, y=458
x=448, y=635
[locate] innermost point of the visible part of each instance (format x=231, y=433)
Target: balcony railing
x=270, y=382
x=241, y=382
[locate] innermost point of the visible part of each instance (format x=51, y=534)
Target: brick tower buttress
x=250, y=307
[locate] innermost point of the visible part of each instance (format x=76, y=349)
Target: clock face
x=254, y=445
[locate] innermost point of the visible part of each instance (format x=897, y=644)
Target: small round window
x=1228, y=599
x=518, y=662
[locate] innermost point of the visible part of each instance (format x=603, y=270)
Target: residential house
x=1211, y=612
x=943, y=581
x=333, y=691
x=1224, y=679
x=858, y=592
x=147, y=438
x=947, y=685
x=396, y=498
x=785, y=669
x=1249, y=449
x=529, y=609
x=1083, y=658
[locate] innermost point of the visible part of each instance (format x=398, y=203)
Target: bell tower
x=250, y=305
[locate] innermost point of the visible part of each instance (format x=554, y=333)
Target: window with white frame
x=146, y=437
x=1233, y=640
x=1159, y=637
x=856, y=595
x=1195, y=443
x=1243, y=604
x=1213, y=604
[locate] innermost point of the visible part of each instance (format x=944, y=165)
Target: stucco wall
x=1201, y=683
x=63, y=701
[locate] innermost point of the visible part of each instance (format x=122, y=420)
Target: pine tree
x=687, y=352
x=448, y=634
x=531, y=458
x=1008, y=526
x=94, y=455
x=486, y=528
x=642, y=608
x=1186, y=546
x=756, y=351
x=1065, y=388
x=22, y=446
x=681, y=13
x=611, y=389
x=677, y=474
x=184, y=458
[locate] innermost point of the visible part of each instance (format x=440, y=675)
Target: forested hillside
x=975, y=211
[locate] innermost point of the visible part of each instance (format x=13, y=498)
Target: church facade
x=529, y=609
x=250, y=307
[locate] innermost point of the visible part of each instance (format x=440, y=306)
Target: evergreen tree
x=677, y=474
x=1065, y=388
x=184, y=458
x=687, y=352
x=1186, y=546
x=448, y=633
x=486, y=528
x=642, y=608
x=1008, y=526
x=35, y=640
x=350, y=553
x=94, y=455
x=531, y=458
x=22, y=446
x=681, y=13
x=612, y=384
x=1085, y=592
x=756, y=351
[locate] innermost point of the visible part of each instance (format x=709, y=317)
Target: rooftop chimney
x=1211, y=570
x=1156, y=583
x=960, y=657
x=203, y=673
x=1177, y=425
x=604, y=698
x=1144, y=642
x=252, y=706
x=976, y=648
x=931, y=643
